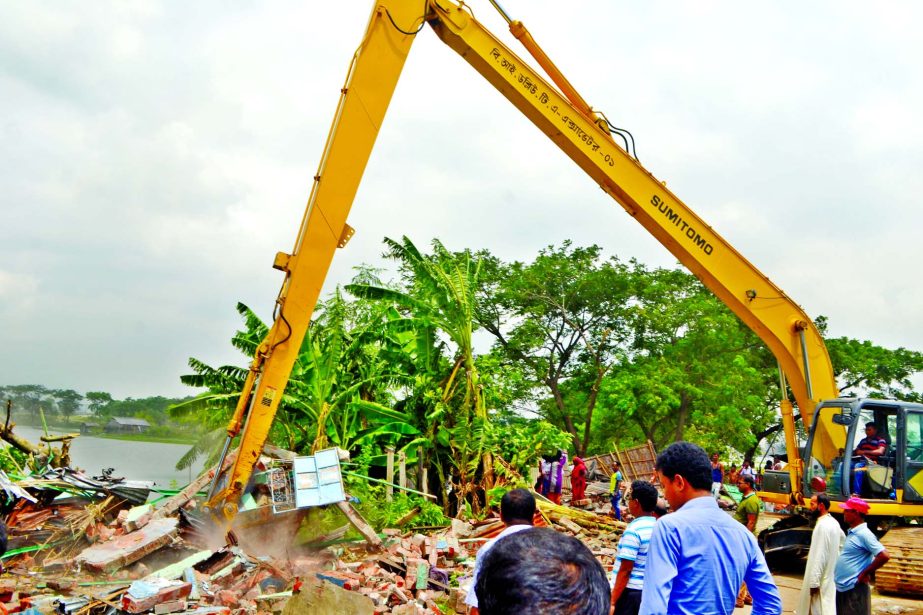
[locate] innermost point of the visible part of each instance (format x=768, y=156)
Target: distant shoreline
x=58, y=429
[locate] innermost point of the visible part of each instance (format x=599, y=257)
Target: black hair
x=871, y=424
x=823, y=499
x=689, y=461
x=541, y=572
x=517, y=505
x=645, y=494
x=749, y=480
x=661, y=508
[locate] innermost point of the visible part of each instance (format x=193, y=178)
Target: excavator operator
x=870, y=449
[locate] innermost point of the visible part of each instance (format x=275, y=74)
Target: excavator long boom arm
x=578, y=132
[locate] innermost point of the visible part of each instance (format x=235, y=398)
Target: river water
x=131, y=459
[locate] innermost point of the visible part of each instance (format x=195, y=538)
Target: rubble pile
x=93, y=545
x=92, y=552
x=431, y=573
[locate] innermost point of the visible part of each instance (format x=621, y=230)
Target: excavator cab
x=872, y=448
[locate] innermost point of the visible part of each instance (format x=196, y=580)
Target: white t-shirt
x=470, y=598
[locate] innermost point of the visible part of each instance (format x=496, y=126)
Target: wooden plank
x=360, y=524
x=179, y=500
x=625, y=463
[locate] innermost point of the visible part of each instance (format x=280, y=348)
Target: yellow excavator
x=893, y=484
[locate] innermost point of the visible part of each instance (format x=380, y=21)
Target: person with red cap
x=862, y=555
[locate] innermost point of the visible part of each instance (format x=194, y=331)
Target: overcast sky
x=156, y=155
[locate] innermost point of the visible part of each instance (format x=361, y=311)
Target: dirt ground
x=789, y=584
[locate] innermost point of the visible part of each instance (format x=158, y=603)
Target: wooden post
x=389, y=490
x=425, y=480
x=419, y=470
x=402, y=470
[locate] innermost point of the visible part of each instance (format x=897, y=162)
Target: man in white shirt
x=517, y=509
x=746, y=469
x=818, y=591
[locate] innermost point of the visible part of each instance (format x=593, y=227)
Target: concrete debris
x=319, y=597
x=91, y=552
x=128, y=548
x=145, y=595
x=137, y=517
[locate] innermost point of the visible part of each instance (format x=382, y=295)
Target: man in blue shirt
x=870, y=448
x=862, y=555
x=699, y=555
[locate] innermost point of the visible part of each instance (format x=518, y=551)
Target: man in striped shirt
x=632, y=551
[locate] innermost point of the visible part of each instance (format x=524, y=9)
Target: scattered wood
x=582, y=518
x=360, y=524
x=637, y=462
x=408, y=517
x=182, y=498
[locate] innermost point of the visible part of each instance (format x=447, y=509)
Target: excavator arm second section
x=759, y=303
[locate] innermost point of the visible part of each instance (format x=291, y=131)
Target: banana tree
x=333, y=396
x=440, y=298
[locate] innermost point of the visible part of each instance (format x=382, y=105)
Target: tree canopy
x=474, y=367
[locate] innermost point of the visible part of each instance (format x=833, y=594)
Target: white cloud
x=18, y=292
x=157, y=156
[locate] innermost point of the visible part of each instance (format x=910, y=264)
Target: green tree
x=694, y=371
x=68, y=402
x=30, y=398
x=97, y=401
x=340, y=378
x=865, y=369
x=153, y=409
x=323, y=401
x=562, y=316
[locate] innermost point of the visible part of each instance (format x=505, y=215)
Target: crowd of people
x=695, y=560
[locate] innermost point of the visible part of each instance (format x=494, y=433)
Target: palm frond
x=207, y=444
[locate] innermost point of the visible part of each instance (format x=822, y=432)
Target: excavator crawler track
x=903, y=574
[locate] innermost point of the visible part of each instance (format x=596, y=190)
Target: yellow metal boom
x=583, y=135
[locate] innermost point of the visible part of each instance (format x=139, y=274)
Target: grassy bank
x=140, y=437
x=157, y=433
